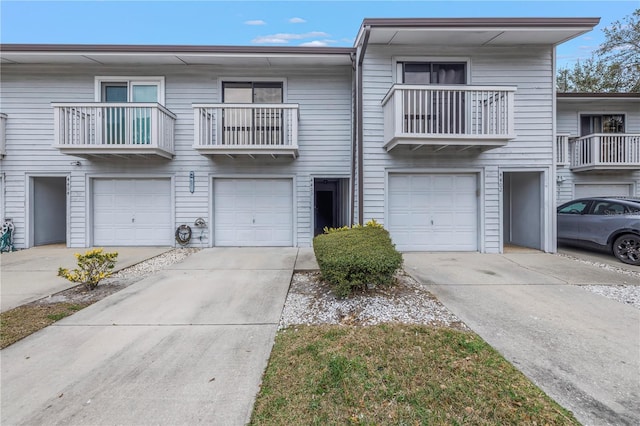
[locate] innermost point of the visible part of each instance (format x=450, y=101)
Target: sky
x=270, y=23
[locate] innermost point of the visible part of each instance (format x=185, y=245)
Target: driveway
x=596, y=257
x=582, y=349
x=186, y=345
x=28, y=275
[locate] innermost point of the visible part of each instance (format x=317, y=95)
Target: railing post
x=155, y=123
x=294, y=126
x=398, y=107
x=596, y=150
x=511, y=113
x=56, y=126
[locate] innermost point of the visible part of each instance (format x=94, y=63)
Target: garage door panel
x=132, y=212
x=583, y=190
x=433, y=212
x=253, y=212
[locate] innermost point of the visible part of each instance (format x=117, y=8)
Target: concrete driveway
x=582, y=349
x=28, y=275
x=596, y=256
x=186, y=345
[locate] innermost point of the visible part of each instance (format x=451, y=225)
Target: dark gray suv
x=612, y=224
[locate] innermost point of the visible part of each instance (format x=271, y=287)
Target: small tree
x=93, y=267
x=614, y=67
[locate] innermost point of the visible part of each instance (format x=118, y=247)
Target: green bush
x=351, y=258
x=93, y=267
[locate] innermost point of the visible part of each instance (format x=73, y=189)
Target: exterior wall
x=530, y=70
x=27, y=92
x=568, y=123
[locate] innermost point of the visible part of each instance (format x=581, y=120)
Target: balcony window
x=611, y=123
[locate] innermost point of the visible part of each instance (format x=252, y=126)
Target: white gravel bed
x=154, y=264
x=310, y=301
x=627, y=294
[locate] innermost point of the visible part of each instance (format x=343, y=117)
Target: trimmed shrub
x=93, y=267
x=351, y=258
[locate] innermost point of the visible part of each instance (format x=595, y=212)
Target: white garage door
x=433, y=212
x=602, y=190
x=132, y=212
x=253, y=212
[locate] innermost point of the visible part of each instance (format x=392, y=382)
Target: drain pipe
x=359, y=121
x=354, y=132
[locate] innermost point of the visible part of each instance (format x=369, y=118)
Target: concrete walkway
x=28, y=275
x=582, y=349
x=186, y=345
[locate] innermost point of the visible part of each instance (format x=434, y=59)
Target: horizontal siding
x=324, y=96
x=530, y=70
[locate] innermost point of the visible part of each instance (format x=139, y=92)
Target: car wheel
x=627, y=248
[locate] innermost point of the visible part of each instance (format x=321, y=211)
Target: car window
x=574, y=208
x=607, y=208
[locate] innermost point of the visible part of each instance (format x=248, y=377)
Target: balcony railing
x=114, y=129
x=3, y=134
x=246, y=129
x=467, y=116
x=605, y=151
x=562, y=149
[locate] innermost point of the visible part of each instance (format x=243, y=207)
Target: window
x=598, y=123
x=428, y=110
x=433, y=72
x=131, y=124
x=574, y=208
x=606, y=208
x=253, y=125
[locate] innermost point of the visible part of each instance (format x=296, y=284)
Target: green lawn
x=395, y=374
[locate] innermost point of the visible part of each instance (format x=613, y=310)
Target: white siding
x=27, y=92
x=530, y=70
x=568, y=112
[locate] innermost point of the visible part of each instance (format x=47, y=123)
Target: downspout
x=352, y=215
x=359, y=120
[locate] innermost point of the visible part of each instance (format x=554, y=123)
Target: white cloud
x=255, y=22
x=297, y=20
x=315, y=43
x=283, y=38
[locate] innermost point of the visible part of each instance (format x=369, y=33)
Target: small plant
x=93, y=267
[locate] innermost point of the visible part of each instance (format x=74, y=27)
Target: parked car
x=608, y=223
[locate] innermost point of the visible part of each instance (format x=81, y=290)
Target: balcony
x=448, y=116
x=122, y=130
x=3, y=134
x=562, y=149
x=252, y=130
x=605, y=151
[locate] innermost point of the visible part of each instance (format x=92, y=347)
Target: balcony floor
x=246, y=151
x=442, y=143
x=111, y=151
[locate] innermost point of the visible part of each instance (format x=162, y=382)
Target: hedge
x=351, y=258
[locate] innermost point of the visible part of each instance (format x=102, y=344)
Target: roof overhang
x=474, y=31
x=246, y=56
x=593, y=98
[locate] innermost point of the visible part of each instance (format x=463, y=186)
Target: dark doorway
x=330, y=206
x=49, y=210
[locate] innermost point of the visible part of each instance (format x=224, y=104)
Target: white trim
x=294, y=198
x=282, y=80
x=90, y=177
x=480, y=193
x=99, y=80
x=438, y=59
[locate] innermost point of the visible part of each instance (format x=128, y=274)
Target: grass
x=24, y=320
x=395, y=374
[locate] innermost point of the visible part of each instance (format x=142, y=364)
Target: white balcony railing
x=246, y=129
x=456, y=114
x=562, y=149
x=114, y=128
x=3, y=134
x=605, y=151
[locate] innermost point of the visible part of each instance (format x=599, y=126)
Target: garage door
x=433, y=212
x=253, y=212
x=602, y=190
x=132, y=212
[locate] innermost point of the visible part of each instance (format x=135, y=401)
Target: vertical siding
x=568, y=113
x=27, y=92
x=530, y=70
